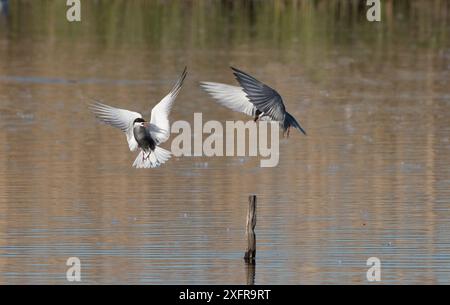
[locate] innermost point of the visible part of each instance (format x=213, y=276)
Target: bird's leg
x=288, y=130
x=258, y=115
x=144, y=157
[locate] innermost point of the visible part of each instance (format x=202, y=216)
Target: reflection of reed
x=205, y=24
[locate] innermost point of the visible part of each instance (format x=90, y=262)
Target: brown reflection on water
x=370, y=179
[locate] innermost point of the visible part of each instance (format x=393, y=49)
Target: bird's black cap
x=138, y=120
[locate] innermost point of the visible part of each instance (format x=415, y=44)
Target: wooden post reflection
x=250, y=273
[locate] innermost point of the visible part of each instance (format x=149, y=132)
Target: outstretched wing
x=119, y=118
x=232, y=97
x=160, y=113
x=264, y=98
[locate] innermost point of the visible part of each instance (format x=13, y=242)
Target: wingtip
x=95, y=105
x=235, y=70
x=239, y=74
x=184, y=74
x=95, y=102
x=179, y=83
x=208, y=85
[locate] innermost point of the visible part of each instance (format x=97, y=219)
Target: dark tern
x=253, y=98
x=140, y=133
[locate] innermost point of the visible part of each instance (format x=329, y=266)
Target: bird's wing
x=264, y=98
x=160, y=113
x=119, y=118
x=232, y=97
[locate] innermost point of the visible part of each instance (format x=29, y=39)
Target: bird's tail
x=289, y=121
x=155, y=159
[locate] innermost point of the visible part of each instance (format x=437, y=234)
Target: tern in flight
x=253, y=98
x=145, y=135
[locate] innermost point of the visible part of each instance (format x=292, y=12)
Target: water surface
x=372, y=178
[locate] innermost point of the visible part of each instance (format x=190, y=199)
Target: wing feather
x=232, y=97
x=160, y=113
x=264, y=98
x=119, y=118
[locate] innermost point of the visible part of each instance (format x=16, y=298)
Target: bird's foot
x=144, y=157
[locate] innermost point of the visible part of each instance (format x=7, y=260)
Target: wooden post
x=251, y=237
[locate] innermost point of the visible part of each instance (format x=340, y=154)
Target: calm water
x=372, y=178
